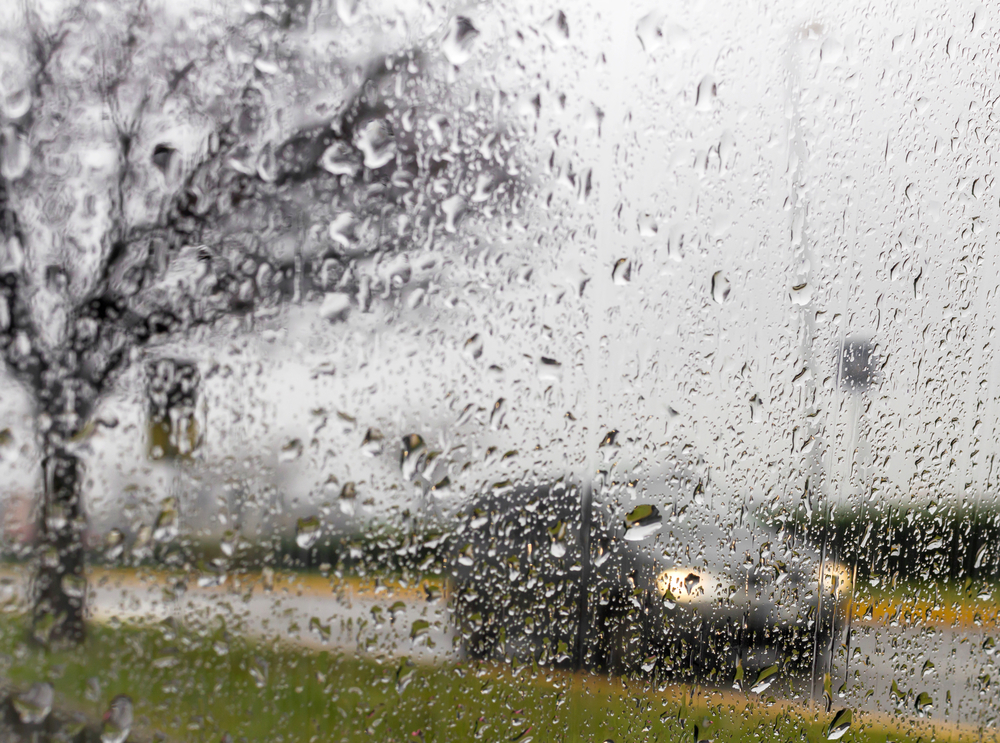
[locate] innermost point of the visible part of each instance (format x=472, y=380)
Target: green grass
x=197, y=685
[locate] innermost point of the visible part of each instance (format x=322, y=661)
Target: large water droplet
x=34, y=705
x=372, y=444
x=691, y=582
x=420, y=631
x=923, y=703
x=840, y=724
x=497, y=414
x=558, y=533
x=647, y=226
x=17, y=103
x=335, y=306
x=642, y=522
x=166, y=527
x=117, y=720
x=705, y=96
x=621, y=274
x=457, y=45
x=341, y=159
x=720, y=287
x=376, y=140
x=764, y=679
x=15, y=153
x=649, y=30
x=801, y=294
x=557, y=28
x=453, y=208
x=413, y=456
x=114, y=544
x=307, y=531
x=291, y=451
x=348, y=11
x=342, y=229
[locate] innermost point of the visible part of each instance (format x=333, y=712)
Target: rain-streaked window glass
x=503, y=371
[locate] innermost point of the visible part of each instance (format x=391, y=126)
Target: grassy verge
x=200, y=684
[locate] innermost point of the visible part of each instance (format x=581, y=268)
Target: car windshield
x=380, y=369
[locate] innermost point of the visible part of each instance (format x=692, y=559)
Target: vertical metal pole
x=586, y=518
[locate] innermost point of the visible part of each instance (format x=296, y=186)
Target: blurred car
x=684, y=598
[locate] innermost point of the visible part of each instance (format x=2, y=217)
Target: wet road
x=947, y=673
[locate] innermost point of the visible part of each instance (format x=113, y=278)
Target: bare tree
x=163, y=178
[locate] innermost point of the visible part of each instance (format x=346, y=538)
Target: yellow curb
x=885, y=612
x=923, y=613
x=297, y=584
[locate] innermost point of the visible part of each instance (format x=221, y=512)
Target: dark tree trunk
x=59, y=590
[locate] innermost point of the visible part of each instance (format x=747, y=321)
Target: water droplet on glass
x=840, y=724
x=420, y=630
x=720, y=287
x=341, y=159
x=648, y=226
x=307, y=531
x=621, y=274
x=114, y=544
x=117, y=722
x=15, y=153
x=801, y=295
x=558, y=533
x=348, y=495
x=291, y=451
x=497, y=414
x=453, y=208
x=335, y=306
x=705, y=96
x=413, y=455
x=458, y=43
x=609, y=440
x=372, y=444
x=649, y=30
x=33, y=706
x=557, y=28
x=376, y=140
x=258, y=672
x=17, y=103
x=485, y=184
x=164, y=158
x=642, y=522
x=764, y=679
x=166, y=527
x=474, y=347
x=348, y=11
x=549, y=370
x=228, y=543
x=343, y=230
x=691, y=582
x=923, y=703
x=74, y=586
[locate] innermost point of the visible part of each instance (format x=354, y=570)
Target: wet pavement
x=947, y=664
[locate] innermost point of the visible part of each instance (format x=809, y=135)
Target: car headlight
x=836, y=577
x=687, y=586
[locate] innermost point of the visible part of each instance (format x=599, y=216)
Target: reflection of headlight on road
x=686, y=586
x=836, y=577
